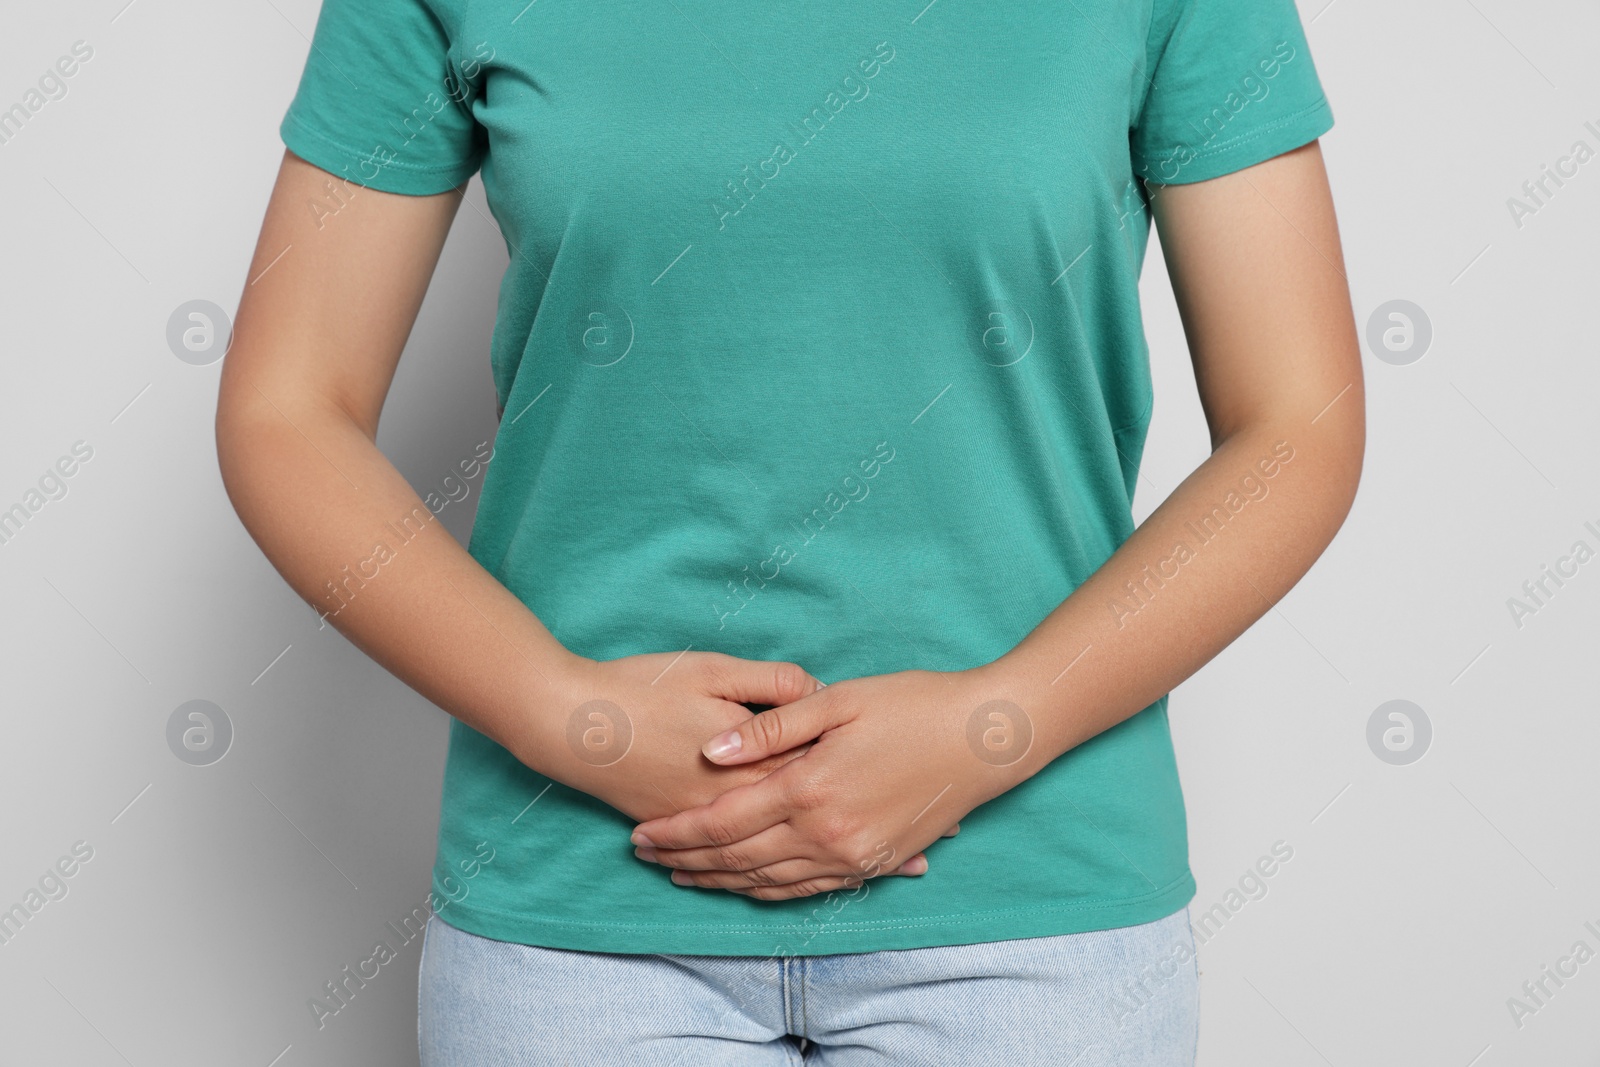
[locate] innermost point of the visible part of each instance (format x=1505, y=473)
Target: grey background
x=220, y=898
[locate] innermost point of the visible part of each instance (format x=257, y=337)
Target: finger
x=807, y=888
x=761, y=853
x=796, y=870
x=774, y=845
x=778, y=844
x=915, y=867
x=821, y=883
x=742, y=812
x=761, y=857
x=749, y=681
x=778, y=729
x=953, y=831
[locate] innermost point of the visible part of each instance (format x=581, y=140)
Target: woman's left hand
x=898, y=759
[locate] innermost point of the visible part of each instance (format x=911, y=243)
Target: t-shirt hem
x=819, y=936
x=1285, y=134
x=393, y=176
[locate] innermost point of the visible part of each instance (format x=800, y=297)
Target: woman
x=823, y=389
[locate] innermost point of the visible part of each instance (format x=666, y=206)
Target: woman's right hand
x=629, y=730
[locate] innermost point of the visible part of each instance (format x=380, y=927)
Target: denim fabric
x=1126, y=997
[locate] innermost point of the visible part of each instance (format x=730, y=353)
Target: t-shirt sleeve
x=1231, y=84
x=384, y=99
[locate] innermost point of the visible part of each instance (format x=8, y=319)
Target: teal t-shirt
x=820, y=341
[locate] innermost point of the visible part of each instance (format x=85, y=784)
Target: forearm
x=1257, y=272
x=353, y=539
x=1220, y=550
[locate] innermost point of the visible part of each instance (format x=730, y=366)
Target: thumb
x=775, y=730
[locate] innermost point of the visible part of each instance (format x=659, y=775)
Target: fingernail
x=915, y=865
x=724, y=745
x=640, y=839
x=680, y=878
x=646, y=854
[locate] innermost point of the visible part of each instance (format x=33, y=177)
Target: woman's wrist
x=560, y=683
x=1020, y=694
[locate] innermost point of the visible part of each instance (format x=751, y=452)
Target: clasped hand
x=874, y=770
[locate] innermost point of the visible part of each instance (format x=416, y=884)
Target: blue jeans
x=1108, y=998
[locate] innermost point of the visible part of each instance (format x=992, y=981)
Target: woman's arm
x=1257, y=268
x=320, y=330
x=1256, y=265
